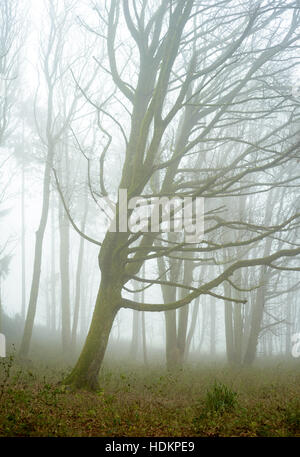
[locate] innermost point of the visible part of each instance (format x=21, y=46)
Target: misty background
x=51, y=85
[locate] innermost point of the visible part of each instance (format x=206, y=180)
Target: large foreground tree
x=198, y=94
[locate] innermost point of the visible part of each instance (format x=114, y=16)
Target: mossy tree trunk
x=85, y=373
x=154, y=112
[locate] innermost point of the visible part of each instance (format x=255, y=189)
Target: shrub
x=220, y=398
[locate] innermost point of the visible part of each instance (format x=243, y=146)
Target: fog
x=149, y=186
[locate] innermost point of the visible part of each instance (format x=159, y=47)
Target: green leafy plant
x=220, y=398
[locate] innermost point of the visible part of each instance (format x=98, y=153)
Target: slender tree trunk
x=134, y=347
x=212, y=327
x=53, y=278
x=229, y=325
x=23, y=249
x=172, y=353
x=90, y=293
x=203, y=326
x=135, y=335
x=264, y=346
x=31, y=311
x=256, y=319
x=182, y=331
x=144, y=339
x=65, y=281
x=257, y=310
x=169, y=295
x=78, y=278
x=64, y=231
x=288, y=334
x=238, y=333
x=144, y=324
x=87, y=287
x=0, y=302
x=184, y=313
x=176, y=335
x=83, y=311
x=270, y=344
x=48, y=305
x=192, y=327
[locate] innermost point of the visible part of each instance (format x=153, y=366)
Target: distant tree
x=4, y=270
x=50, y=130
x=12, y=34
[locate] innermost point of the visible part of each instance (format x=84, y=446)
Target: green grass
x=211, y=400
x=220, y=398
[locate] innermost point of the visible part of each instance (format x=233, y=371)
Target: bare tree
x=50, y=132
x=207, y=70
x=12, y=35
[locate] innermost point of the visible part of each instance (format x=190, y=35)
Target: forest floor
x=213, y=400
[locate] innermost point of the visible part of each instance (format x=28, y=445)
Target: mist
x=149, y=211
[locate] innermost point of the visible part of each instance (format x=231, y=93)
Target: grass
x=220, y=398
x=211, y=400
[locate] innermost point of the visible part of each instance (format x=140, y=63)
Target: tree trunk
x=78, y=279
x=228, y=325
x=31, y=311
x=65, y=281
x=288, y=334
x=23, y=255
x=0, y=303
x=270, y=344
x=238, y=333
x=85, y=372
x=48, y=304
x=212, y=327
x=256, y=319
x=83, y=311
x=53, y=278
x=134, y=348
x=182, y=331
x=184, y=313
x=169, y=295
x=64, y=232
x=202, y=325
x=172, y=353
x=135, y=335
x=257, y=311
x=192, y=327
x=144, y=339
